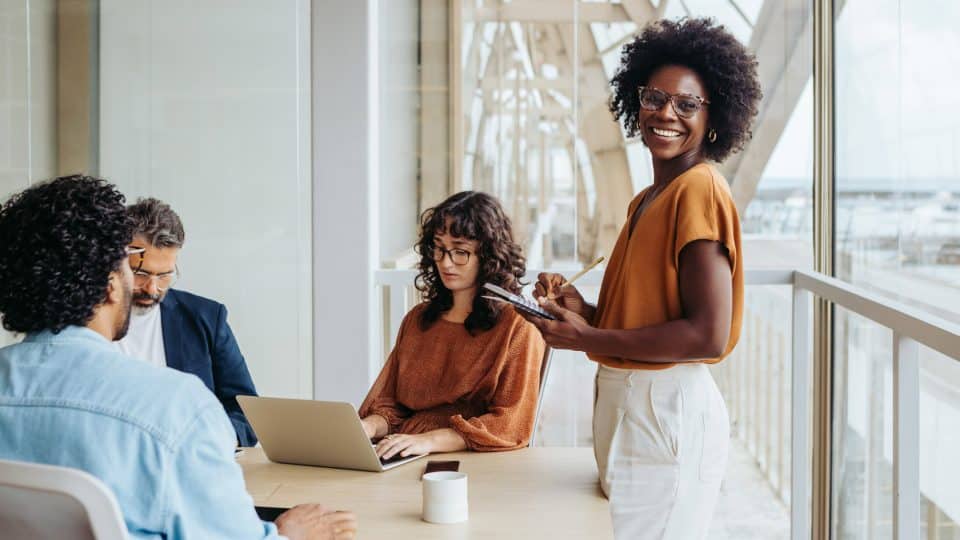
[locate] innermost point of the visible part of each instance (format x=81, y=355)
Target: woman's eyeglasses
x=685, y=105
x=459, y=256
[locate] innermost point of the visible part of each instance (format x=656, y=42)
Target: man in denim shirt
x=157, y=437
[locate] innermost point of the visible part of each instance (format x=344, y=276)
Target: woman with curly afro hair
x=672, y=295
x=465, y=370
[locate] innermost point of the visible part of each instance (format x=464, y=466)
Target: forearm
x=675, y=341
x=446, y=440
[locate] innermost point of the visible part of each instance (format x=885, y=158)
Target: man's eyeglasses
x=134, y=250
x=685, y=105
x=141, y=279
x=459, y=256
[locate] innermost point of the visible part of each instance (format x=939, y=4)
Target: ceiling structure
x=530, y=108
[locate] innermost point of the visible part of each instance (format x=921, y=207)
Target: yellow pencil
x=582, y=272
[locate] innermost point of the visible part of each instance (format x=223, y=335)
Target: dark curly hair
x=727, y=69
x=475, y=216
x=59, y=242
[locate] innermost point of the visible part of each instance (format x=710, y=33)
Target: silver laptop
x=307, y=432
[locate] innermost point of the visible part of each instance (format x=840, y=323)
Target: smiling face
x=666, y=134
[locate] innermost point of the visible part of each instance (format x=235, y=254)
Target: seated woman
x=465, y=371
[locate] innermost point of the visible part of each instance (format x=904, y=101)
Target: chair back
x=46, y=501
x=544, y=372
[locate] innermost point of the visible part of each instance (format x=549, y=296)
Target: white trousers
x=661, y=441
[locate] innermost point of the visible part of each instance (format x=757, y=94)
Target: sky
x=897, y=77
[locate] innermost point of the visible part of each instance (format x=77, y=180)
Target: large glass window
x=898, y=234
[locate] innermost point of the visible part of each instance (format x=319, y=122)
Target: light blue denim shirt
x=157, y=437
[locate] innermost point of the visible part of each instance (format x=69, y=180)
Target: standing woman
x=672, y=295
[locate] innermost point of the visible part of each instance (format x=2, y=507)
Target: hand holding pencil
x=561, y=290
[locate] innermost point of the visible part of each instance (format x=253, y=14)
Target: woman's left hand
x=567, y=332
x=405, y=445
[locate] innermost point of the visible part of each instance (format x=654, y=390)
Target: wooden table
x=530, y=493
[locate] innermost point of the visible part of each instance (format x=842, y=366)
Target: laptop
x=319, y=433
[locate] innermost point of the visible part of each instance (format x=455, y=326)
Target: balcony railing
x=752, y=381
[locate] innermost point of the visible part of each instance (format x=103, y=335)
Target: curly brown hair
x=475, y=216
x=726, y=67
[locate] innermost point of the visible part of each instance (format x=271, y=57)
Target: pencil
x=582, y=272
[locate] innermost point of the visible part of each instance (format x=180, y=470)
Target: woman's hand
x=550, y=287
x=374, y=426
x=569, y=331
x=405, y=445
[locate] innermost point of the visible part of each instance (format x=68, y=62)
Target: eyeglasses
x=685, y=105
x=459, y=257
x=135, y=250
x=141, y=279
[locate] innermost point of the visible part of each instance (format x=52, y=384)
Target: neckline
x=638, y=200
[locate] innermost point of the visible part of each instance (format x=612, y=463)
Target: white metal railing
x=911, y=327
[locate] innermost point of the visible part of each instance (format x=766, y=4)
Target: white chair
x=44, y=501
x=544, y=371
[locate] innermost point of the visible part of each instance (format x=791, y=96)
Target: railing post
x=781, y=391
x=398, y=308
x=769, y=389
x=800, y=466
x=906, y=438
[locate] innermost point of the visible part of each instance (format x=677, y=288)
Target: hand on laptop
x=315, y=522
x=438, y=440
x=405, y=445
x=375, y=426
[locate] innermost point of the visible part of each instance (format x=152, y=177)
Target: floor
x=748, y=507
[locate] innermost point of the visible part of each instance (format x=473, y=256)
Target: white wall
x=399, y=101
x=27, y=97
x=206, y=105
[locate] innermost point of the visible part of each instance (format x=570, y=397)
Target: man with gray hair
x=177, y=329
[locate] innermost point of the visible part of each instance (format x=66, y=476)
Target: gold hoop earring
x=712, y=135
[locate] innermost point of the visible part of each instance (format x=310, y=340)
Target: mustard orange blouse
x=484, y=387
x=641, y=284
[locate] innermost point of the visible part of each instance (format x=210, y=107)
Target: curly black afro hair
x=727, y=69
x=59, y=242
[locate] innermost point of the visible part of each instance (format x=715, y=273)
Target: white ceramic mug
x=445, y=497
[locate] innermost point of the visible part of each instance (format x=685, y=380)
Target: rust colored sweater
x=484, y=387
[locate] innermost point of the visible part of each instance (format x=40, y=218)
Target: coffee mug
x=445, y=497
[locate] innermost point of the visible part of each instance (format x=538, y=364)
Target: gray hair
x=157, y=222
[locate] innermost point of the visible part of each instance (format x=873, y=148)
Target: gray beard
x=143, y=310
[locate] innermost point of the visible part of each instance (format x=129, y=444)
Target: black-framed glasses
x=459, y=256
x=685, y=105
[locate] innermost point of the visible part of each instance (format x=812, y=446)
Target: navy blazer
x=198, y=340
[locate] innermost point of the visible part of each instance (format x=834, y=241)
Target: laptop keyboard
x=394, y=459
